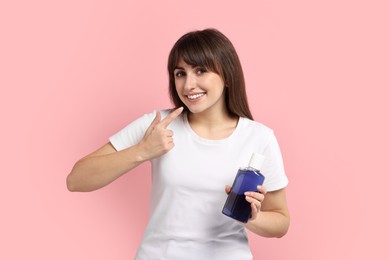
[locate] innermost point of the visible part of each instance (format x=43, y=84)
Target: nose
x=190, y=82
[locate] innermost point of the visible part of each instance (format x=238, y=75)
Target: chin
x=196, y=110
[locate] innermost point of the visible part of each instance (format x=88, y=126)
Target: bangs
x=195, y=51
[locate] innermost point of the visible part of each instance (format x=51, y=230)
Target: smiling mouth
x=195, y=96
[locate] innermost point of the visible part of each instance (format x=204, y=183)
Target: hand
x=254, y=198
x=158, y=140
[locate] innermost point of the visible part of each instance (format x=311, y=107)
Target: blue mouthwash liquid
x=247, y=179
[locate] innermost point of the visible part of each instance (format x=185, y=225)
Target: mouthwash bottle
x=247, y=179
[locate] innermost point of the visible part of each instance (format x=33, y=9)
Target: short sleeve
x=273, y=167
x=133, y=133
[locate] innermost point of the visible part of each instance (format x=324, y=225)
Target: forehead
x=182, y=64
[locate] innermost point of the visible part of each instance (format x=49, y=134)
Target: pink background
x=74, y=72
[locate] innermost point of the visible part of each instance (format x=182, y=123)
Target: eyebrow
x=178, y=68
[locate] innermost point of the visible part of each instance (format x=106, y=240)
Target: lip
x=195, y=96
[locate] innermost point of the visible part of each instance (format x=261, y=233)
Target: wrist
x=141, y=155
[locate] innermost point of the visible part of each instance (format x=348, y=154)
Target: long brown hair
x=211, y=49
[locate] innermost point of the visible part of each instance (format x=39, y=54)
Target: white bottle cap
x=256, y=161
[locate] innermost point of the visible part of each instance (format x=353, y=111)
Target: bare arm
x=105, y=165
x=273, y=219
x=102, y=167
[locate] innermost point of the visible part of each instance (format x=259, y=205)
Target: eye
x=200, y=71
x=179, y=74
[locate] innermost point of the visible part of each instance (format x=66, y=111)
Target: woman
x=195, y=150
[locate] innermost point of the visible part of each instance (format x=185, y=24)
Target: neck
x=213, y=126
x=211, y=119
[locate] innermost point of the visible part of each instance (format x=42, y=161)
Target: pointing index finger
x=169, y=118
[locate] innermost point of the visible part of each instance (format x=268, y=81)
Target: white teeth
x=195, y=96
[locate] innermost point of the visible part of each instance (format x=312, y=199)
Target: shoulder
x=177, y=121
x=164, y=112
x=258, y=133
x=148, y=117
x=254, y=126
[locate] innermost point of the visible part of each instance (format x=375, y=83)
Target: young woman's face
x=199, y=89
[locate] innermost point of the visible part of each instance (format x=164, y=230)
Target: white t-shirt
x=188, y=189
